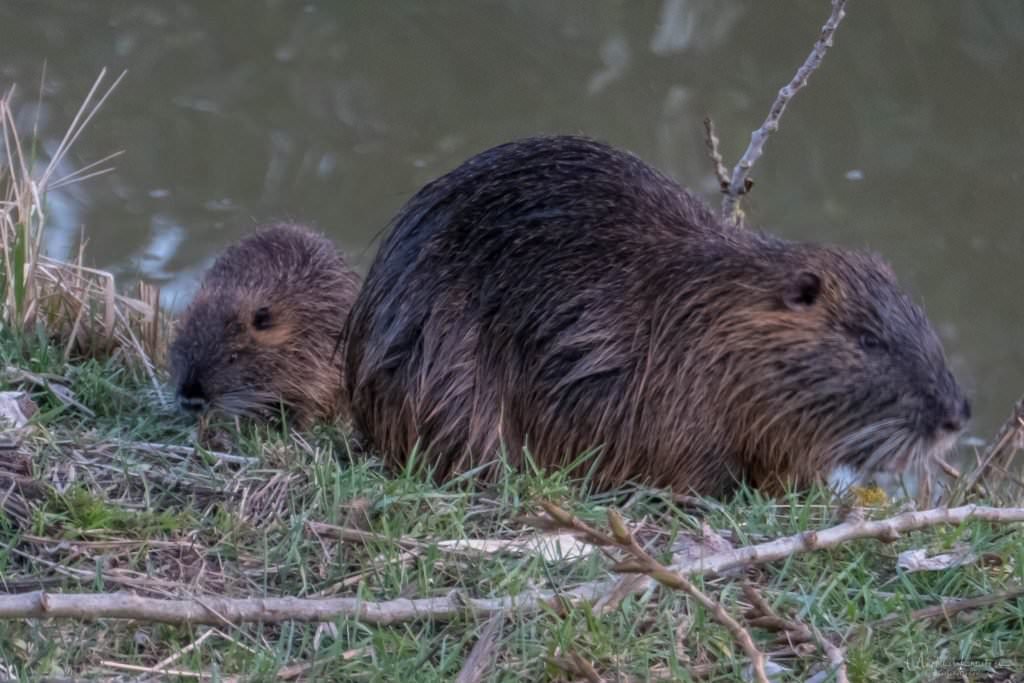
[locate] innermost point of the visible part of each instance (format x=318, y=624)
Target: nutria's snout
x=191, y=393
x=191, y=397
x=948, y=411
x=957, y=416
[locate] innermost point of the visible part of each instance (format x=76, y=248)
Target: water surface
x=909, y=140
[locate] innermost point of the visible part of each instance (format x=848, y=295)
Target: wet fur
x=264, y=328
x=562, y=295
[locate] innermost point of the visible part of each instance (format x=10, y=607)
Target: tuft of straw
x=78, y=307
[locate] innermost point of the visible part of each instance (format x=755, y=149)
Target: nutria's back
x=265, y=328
x=562, y=295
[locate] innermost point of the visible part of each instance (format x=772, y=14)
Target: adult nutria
x=265, y=329
x=560, y=295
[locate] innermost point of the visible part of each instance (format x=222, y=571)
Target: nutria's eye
x=869, y=341
x=233, y=357
x=802, y=291
x=261, y=318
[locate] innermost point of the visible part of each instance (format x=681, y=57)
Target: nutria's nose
x=957, y=417
x=192, y=405
x=191, y=397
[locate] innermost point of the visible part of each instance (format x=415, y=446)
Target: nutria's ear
x=261, y=318
x=802, y=291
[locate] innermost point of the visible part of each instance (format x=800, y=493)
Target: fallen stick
x=215, y=610
x=885, y=530
x=219, y=611
x=950, y=608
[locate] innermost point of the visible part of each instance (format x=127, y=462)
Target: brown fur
x=560, y=295
x=266, y=328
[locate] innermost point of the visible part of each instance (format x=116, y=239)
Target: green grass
x=109, y=512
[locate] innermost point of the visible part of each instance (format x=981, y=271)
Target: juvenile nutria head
x=265, y=329
x=820, y=364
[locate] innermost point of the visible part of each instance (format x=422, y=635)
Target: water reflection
x=908, y=140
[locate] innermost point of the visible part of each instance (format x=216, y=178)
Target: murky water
x=909, y=139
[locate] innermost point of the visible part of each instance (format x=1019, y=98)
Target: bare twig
x=886, y=530
x=358, y=535
x=1003, y=444
x=958, y=476
x=644, y=563
x=578, y=666
x=711, y=142
x=950, y=607
x=482, y=655
x=740, y=183
x=792, y=631
x=836, y=657
x=762, y=615
x=672, y=579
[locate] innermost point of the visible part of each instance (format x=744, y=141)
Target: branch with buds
x=740, y=183
x=641, y=562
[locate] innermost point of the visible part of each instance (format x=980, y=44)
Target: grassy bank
x=104, y=494
x=104, y=490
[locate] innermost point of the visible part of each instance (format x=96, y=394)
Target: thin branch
x=949, y=608
x=763, y=616
x=1002, y=444
x=836, y=657
x=958, y=476
x=359, y=536
x=482, y=656
x=577, y=666
x=885, y=530
x=792, y=631
x=644, y=563
x=740, y=183
x=711, y=143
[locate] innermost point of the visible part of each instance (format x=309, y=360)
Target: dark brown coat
x=265, y=329
x=561, y=295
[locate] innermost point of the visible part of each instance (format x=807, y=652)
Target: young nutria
x=563, y=296
x=265, y=329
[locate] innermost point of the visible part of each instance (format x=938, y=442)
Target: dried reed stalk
x=77, y=307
